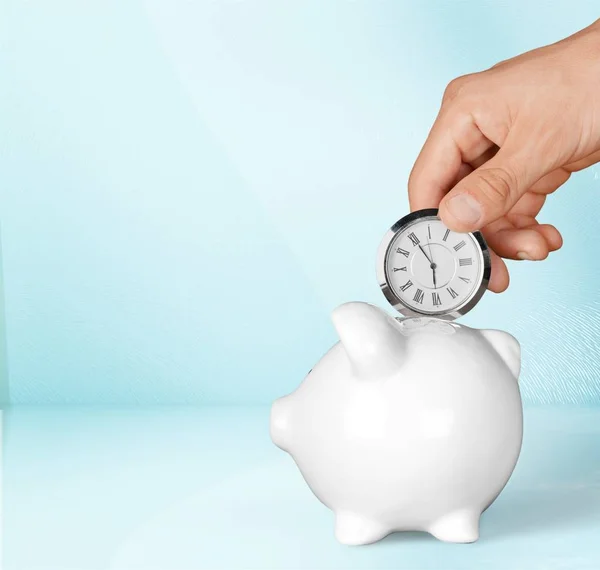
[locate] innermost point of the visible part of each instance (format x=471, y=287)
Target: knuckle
x=412, y=178
x=413, y=193
x=498, y=185
x=456, y=87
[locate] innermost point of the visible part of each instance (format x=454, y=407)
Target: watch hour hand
x=432, y=263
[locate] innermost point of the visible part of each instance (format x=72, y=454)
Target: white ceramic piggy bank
x=405, y=425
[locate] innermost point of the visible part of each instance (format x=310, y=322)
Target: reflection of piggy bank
x=405, y=425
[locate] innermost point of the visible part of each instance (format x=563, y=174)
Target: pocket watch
x=424, y=268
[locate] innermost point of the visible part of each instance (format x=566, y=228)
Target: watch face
x=426, y=269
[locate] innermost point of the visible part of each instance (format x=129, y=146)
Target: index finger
x=453, y=142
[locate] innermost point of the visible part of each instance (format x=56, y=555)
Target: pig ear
x=508, y=347
x=371, y=339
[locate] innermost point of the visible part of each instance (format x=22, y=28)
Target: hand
x=507, y=137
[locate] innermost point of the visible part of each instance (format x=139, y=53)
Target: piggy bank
x=411, y=424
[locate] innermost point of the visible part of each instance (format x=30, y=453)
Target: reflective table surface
x=191, y=488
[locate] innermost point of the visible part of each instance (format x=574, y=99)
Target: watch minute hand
x=428, y=258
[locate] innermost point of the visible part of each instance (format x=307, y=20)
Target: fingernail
x=524, y=255
x=464, y=208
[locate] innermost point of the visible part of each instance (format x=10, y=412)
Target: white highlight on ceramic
x=412, y=425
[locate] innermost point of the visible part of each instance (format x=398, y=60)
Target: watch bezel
x=397, y=302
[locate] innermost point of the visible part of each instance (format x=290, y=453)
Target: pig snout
x=281, y=422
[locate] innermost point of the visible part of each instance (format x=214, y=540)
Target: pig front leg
x=353, y=529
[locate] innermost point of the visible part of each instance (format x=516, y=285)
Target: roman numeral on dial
x=403, y=252
x=412, y=237
x=446, y=235
x=399, y=268
x=418, y=298
x=465, y=261
x=406, y=286
x=459, y=245
x=452, y=292
x=429, y=231
x=465, y=279
x=436, y=299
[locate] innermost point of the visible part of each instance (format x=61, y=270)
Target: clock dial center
x=439, y=260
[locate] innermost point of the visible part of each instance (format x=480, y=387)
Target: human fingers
x=578, y=165
x=499, y=278
x=454, y=141
x=489, y=192
x=529, y=204
x=547, y=231
x=513, y=243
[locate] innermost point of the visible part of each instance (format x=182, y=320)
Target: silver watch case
x=396, y=302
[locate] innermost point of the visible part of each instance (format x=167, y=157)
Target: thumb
x=489, y=192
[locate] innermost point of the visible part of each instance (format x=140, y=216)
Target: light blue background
x=174, y=488
x=187, y=189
